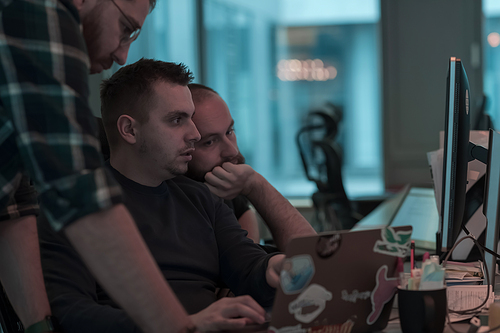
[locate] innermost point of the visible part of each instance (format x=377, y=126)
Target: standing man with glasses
x=47, y=132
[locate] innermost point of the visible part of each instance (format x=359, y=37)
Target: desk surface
x=394, y=327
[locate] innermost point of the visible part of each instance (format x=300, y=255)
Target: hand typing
x=229, y=313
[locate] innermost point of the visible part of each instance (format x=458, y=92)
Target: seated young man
x=194, y=237
x=217, y=161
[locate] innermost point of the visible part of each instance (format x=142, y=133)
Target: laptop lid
x=413, y=206
x=339, y=280
x=419, y=210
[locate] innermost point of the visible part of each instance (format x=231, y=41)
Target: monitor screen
x=456, y=155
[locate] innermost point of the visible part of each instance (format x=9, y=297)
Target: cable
x=467, y=232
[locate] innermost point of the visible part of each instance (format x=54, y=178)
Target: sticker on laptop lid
x=393, y=243
x=296, y=273
x=341, y=328
x=384, y=291
x=355, y=295
x=328, y=245
x=288, y=329
x=310, y=303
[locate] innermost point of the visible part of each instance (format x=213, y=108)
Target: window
x=273, y=62
x=168, y=34
x=491, y=9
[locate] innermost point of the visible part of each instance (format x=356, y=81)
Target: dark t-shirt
x=239, y=205
x=204, y=247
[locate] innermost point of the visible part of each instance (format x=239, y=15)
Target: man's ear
x=126, y=126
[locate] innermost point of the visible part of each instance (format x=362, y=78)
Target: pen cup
x=422, y=310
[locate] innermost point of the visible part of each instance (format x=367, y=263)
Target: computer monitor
x=458, y=151
x=456, y=155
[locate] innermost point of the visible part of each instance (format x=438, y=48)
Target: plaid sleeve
x=44, y=92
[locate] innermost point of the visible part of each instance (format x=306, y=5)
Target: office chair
x=321, y=157
x=9, y=321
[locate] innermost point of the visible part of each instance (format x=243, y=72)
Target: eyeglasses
x=134, y=32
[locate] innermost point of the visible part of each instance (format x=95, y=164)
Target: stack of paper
x=462, y=298
x=460, y=273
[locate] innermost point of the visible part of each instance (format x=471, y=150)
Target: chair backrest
x=321, y=156
x=9, y=321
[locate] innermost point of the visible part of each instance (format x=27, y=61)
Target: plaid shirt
x=46, y=126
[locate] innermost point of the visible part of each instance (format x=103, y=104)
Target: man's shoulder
x=60, y=4
x=195, y=190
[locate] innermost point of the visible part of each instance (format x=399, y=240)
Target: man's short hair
x=130, y=91
x=201, y=92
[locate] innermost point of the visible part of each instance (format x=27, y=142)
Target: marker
x=412, y=257
x=425, y=257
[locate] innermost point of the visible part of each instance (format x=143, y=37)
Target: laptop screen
x=413, y=206
x=420, y=211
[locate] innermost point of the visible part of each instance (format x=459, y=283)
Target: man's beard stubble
x=92, y=31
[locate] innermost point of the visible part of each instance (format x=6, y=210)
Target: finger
x=273, y=270
x=229, y=167
x=222, y=184
x=277, y=262
x=273, y=278
x=240, y=309
x=222, y=172
x=244, y=312
x=250, y=302
x=214, y=180
x=231, y=324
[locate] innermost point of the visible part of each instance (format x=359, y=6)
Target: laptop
x=413, y=206
x=339, y=281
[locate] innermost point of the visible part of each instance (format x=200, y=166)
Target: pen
x=412, y=257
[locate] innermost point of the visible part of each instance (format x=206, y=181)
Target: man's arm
x=52, y=125
x=243, y=264
x=127, y=271
x=283, y=220
x=248, y=221
x=21, y=272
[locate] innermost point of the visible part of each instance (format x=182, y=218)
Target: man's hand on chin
x=229, y=313
x=229, y=180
